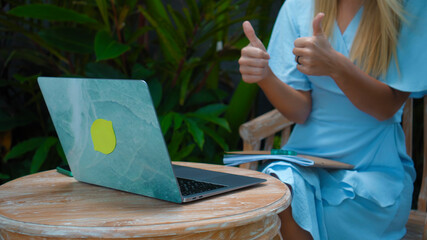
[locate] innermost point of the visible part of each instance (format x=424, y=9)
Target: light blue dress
x=372, y=201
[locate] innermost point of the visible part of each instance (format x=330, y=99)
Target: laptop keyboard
x=189, y=187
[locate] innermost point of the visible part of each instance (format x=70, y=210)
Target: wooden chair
x=259, y=133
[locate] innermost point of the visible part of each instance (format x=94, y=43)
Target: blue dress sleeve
x=282, y=60
x=411, y=74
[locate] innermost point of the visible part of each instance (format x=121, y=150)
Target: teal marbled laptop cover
x=131, y=154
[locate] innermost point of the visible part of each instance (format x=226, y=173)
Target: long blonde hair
x=376, y=39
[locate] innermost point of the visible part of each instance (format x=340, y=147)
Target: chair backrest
x=422, y=197
x=261, y=131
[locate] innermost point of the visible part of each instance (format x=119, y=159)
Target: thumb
x=317, y=24
x=250, y=34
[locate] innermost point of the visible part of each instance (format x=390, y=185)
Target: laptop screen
x=110, y=134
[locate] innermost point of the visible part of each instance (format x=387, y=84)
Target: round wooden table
x=49, y=205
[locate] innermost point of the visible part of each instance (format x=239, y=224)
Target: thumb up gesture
x=254, y=57
x=314, y=55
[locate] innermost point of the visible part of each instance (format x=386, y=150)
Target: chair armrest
x=263, y=127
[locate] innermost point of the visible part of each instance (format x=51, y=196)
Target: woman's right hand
x=254, y=57
x=293, y=104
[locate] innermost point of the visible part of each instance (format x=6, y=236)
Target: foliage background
x=187, y=51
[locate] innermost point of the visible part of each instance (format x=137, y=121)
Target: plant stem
x=70, y=63
x=205, y=78
x=143, y=40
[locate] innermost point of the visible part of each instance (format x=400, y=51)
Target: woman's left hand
x=315, y=55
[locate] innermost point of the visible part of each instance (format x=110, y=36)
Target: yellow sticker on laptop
x=103, y=137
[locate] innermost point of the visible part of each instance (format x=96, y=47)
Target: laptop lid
x=110, y=134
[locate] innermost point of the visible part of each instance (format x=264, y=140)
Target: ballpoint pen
x=271, y=152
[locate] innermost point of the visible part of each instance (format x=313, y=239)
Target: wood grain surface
x=49, y=205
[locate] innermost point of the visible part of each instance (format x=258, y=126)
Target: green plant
x=245, y=95
x=179, y=51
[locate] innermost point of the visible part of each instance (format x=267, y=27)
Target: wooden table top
x=51, y=204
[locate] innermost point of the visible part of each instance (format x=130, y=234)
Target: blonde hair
x=376, y=39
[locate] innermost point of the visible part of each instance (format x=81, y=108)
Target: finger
x=303, y=42
x=301, y=51
x=250, y=34
x=317, y=24
x=251, y=79
x=254, y=52
x=252, y=71
x=303, y=69
x=298, y=60
x=260, y=63
x=308, y=70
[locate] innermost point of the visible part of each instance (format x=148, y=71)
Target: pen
x=271, y=152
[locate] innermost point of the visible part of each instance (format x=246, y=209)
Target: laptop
x=111, y=137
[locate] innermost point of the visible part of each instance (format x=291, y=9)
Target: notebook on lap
x=111, y=137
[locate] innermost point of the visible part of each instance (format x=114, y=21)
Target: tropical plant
x=178, y=48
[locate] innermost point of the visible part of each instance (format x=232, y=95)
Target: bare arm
x=293, y=104
x=365, y=92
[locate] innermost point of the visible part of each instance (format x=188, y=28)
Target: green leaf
x=184, y=152
x=24, y=147
x=188, y=17
x=194, y=9
x=41, y=153
x=181, y=23
x=206, y=96
x=136, y=34
x=61, y=153
x=213, y=109
x=239, y=108
x=141, y=72
x=50, y=12
x=156, y=91
x=186, y=78
x=170, y=101
x=157, y=8
x=213, y=77
x=223, y=18
x=34, y=37
x=35, y=57
x=216, y=137
x=172, y=49
x=210, y=118
x=173, y=146
x=78, y=40
x=103, y=9
x=131, y=3
x=11, y=53
x=4, y=176
x=10, y=122
x=100, y=70
x=166, y=122
x=24, y=79
x=195, y=132
x=212, y=32
x=106, y=47
x=178, y=119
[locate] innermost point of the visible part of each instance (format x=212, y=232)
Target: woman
x=342, y=70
